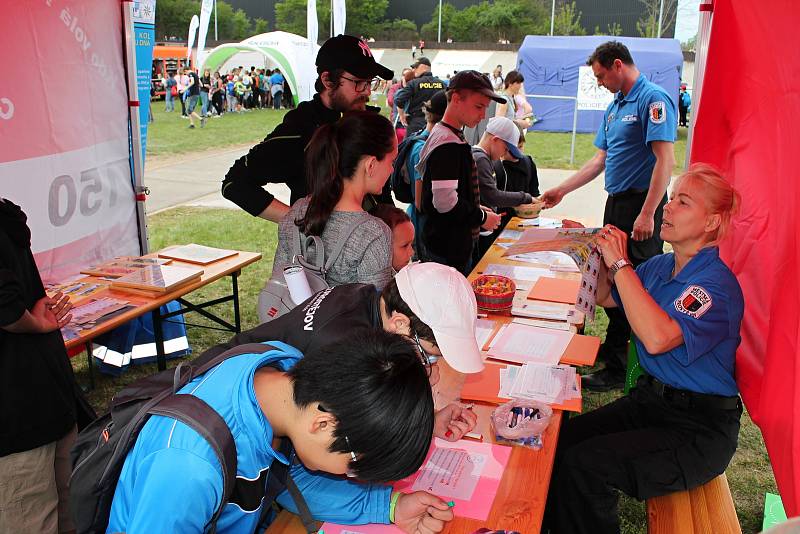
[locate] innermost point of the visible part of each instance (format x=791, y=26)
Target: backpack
x=275, y=299
x=102, y=447
x=400, y=179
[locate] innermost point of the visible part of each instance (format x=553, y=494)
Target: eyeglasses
x=353, y=457
x=360, y=85
x=427, y=359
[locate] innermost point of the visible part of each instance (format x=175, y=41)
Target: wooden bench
x=707, y=509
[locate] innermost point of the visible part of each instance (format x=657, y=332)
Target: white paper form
x=483, y=330
x=555, y=311
x=451, y=473
x=542, y=324
x=522, y=344
x=540, y=382
x=510, y=234
x=543, y=258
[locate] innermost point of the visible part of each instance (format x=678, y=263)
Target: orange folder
x=555, y=290
x=582, y=350
x=483, y=387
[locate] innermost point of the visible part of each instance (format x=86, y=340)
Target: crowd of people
x=348, y=374
x=240, y=90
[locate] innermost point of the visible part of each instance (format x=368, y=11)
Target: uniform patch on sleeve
x=657, y=112
x=694, y=302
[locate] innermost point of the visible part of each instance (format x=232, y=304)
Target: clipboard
x=483, y=387
x=555, y=290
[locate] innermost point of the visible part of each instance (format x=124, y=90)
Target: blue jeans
x=277, y=97
x=170, y=102
x=203, y=103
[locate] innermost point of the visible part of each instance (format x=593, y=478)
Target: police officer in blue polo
x=635, y=147
x=678, y=427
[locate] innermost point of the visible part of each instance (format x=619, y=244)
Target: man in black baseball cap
x=346, y=69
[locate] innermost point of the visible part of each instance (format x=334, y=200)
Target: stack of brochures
x=551, y=384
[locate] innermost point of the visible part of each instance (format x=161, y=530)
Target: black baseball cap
x=473, y=80
x=351, y=54
x=421, y=61
x=438, y=103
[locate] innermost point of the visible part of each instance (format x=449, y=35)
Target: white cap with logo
x=444, y=300
x=505, y=129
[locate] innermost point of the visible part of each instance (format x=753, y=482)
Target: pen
x=451, y=504
x=467, y=407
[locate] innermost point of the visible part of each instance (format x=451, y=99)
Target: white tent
x=292, y=53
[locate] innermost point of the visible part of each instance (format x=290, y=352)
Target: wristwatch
x=617, y=265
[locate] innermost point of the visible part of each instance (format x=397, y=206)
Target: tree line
x=487, y=21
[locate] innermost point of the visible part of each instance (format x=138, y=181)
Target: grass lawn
x=749, y=475
x=168, y=135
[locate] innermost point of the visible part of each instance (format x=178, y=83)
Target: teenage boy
x=360, y=407
x=428, y=303
x=450, y=191
x=498, y=142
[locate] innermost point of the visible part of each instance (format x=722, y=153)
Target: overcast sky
x=688, y=18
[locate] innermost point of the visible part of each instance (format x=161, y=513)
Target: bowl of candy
x=528, y=211
x=494, y=292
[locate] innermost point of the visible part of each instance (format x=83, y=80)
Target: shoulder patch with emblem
x=694, y=302
x=657, y=112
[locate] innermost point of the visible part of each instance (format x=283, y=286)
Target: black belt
x=628, y=193
x=689, y=399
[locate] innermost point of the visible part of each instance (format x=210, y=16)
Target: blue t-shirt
x=631, y=122
x=276, y=79
x=411, y=167
x=172, y=480
x=707, y=303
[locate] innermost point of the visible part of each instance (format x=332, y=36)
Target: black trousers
x=621, y=211
x=683, y=112
x=643, y=444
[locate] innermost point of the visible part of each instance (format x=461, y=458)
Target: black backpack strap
x=204, y=420
x=305, y=514
x=280, y=480
x=247, y=348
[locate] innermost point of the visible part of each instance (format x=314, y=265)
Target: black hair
x=608, y=52
x=375, y=385
x=513, y=76
x=334, y=76
x=391, y=215
x=332, y=157
x=394, y=302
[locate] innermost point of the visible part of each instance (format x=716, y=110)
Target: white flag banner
x=205, y=16
x=312, y=24
x=193, y=25
x=339, y=15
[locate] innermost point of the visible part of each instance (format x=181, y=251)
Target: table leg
x=158, y=331
x=237, y=319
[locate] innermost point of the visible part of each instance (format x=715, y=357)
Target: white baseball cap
x=505, y=129
x=444, y=300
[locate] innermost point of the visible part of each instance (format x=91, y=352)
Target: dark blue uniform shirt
x=707, y=303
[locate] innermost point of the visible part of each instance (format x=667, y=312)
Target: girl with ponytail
x=345, y=162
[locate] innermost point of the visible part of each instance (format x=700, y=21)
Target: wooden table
x=522, y=495
x=144, y=302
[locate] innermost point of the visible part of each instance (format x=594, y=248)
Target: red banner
x=747, y=125
x=64, y=154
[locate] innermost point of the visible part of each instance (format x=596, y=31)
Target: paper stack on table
x=524, y=277
x=551, y=384
x=521, y=344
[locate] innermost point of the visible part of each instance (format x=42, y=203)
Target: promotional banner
x=194, y=24
x=144, y=29
x=64, y=152
x=747, y=127
x=205, y=17
x=339, y=15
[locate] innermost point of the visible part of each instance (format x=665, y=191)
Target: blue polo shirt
x=631, y=122
x=707, y=303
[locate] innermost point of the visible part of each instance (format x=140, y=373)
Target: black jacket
x=328, y=316
x=412, y=96
x=37, y=387
x=278, y=159
x=517, y=175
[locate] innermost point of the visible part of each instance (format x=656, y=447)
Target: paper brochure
x=465, y=472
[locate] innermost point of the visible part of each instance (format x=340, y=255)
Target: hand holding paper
x=421, y=513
